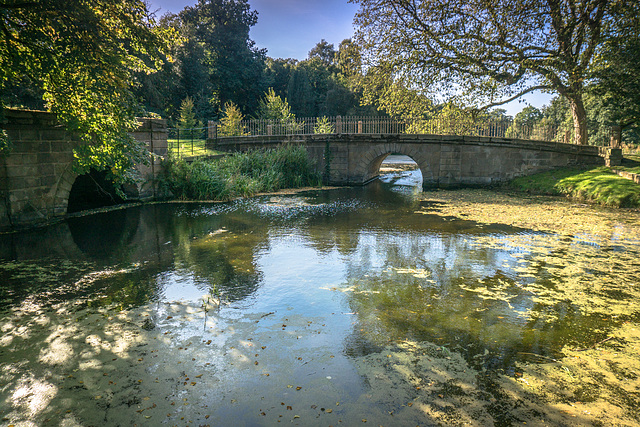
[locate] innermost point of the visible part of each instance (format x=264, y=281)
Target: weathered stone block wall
x=36, y=167
x=36, y=173
x=153, y=132
x=445, y=161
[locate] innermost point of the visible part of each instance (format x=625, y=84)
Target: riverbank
x=240, y=175
x=602, y=185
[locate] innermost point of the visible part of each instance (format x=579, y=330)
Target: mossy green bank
x=600, y=185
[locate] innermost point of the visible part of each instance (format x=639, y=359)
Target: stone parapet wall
x=36, y=173
x=445, y=161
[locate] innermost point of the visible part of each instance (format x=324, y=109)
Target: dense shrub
x=241, y=174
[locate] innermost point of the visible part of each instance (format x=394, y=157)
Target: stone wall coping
x=589, y=150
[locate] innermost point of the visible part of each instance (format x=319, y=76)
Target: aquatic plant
x=240, y=174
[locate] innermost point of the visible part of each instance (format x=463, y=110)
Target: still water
x=325, y=307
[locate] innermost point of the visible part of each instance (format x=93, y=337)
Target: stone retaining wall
x=36, y=173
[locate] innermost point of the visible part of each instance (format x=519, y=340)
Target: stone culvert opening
x=92, y=190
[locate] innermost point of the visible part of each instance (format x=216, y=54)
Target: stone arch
x=62, y=190
x=369, y=163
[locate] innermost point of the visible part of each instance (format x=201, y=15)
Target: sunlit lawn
x=599, y=185
x=190, y=148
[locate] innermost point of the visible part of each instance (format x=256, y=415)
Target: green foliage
x=241, y=175
x=187, y=119
x=273, y=107
x=323, y=51
x=277, y=111
x=450, y=119
x=5, y=144
x=300, y=93
x=394, y=97
x=484, y=53
x=524, y=123
x=617, y=69
x=231, y=121
x=323, y=126
x=598, y=185
x=82, y=56
x=233, y=64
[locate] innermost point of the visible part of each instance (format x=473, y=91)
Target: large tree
x=487, y=52
x=616, y=75
x=236, y=66
x=80, y=57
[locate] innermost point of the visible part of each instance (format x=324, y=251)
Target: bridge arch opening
x=92, y=190
x=397, y=169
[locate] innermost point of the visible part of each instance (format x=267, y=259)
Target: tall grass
x=241, y=174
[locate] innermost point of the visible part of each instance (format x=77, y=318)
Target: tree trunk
x=579, y=120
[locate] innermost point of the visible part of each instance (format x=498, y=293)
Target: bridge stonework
x=444, y=161
x=36, y=173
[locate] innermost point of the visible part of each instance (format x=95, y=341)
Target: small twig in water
x=538, y=355
x=589, y=348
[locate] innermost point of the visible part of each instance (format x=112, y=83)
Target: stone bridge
x=444, y=161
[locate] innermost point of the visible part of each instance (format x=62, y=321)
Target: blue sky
x=291, y=28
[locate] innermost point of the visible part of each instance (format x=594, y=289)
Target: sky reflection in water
x=359, y=261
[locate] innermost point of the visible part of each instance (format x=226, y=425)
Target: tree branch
x=518, y=95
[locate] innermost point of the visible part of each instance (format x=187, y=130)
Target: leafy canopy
x=82, y=55
x=485, y=53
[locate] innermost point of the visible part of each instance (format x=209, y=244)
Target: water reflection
x=376, y=266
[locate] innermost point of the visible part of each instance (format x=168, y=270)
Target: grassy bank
x=599, y=185
x=241, y=175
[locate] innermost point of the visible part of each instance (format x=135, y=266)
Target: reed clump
x=240, y=174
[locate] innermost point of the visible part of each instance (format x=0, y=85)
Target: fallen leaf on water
x=298, y=388
x=199, y=376
x=289, y=408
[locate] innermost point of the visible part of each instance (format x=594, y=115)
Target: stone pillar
x=212, y=130
x=269, y=130
x=616, y=137
x=359, y=126
x=339, y=125
x=153, y=133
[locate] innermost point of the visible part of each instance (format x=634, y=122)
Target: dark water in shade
x=359, y=261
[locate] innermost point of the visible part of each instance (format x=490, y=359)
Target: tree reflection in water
x=369, y=297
